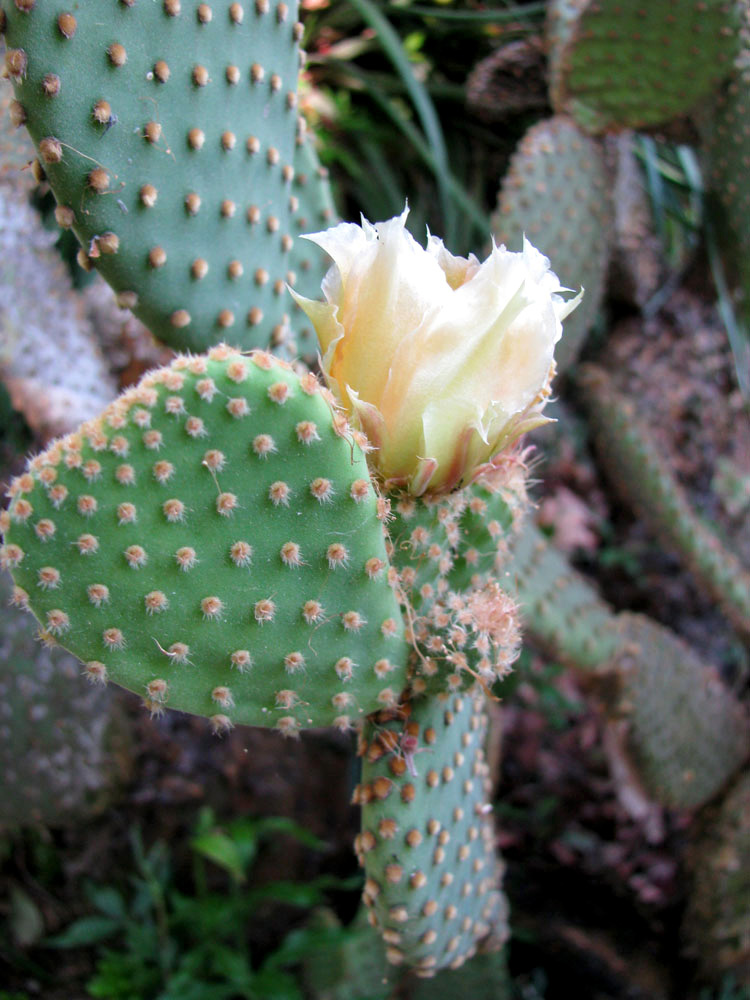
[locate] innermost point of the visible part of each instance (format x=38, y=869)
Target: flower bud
x=442, y=361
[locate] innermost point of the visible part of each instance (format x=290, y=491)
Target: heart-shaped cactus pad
x=214, y=543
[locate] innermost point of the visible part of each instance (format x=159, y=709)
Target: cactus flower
x=442, y=361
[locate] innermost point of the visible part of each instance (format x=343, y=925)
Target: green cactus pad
x=427, y=842
x=717, y=921
x=615, y=65
x=559, y=607
x=684, y=730
x=166, y=130
x=446, y=550
x=556, y=194
x=641, y=474
x=726, y=135
x=679, y=728
x=212, y=543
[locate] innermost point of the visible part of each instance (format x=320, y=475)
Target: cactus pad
x=615, y=65
x=212, y=543
x=427, y=842
x=166, y=130
x=685, y=730
x=640, y=472
x=556, y=193
x=446, y=549
x=726, y=135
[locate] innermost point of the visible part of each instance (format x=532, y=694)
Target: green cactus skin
x=427, y=842
x=717, y=922
x=358, y=969
x=686, y=733
x=725, y=130
x=556, y=193
x=58, y=761
x=213, y=543
x=446, y=550
x=641, y=474
x=615, y=65
x=682, y=730
x=166, y=130
x=563, y=611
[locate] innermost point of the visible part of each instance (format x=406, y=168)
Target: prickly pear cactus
x=560, y=607
x=556, y=193
x=726, y=149
x=641, y=474
x=615, y=65
x=677, y=725
x=463, y=626
x=166, y=130
x=213, y=542
x=427, y=842
x=685, y=730
x=717, y=924
x=58, y=745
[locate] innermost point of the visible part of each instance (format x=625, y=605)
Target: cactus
x=212, y=542
x=462, y=625
x=566, y=615
x=682, y=730
x=427, y=841
x=685, y=731
x=167, y=135
x=641, y=474
x=571, y=222
x=616, y=66
x=717, y=920
x=60, y=742
x=726, y=148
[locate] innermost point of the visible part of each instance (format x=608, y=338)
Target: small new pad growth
x=447, y=550
x=168, y=142
x=428, y=841
x=163, y=556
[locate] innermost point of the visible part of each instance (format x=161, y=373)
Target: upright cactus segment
x=615, y=65
x=642, y=475
x=57, y=755
x=427, y=840
x=213, y=542
x=682, y=730
x=556, y=194
x=166, y=130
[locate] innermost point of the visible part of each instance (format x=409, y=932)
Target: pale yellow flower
x=442, y=361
